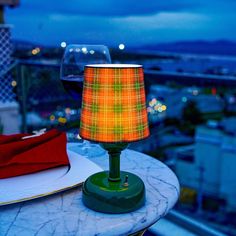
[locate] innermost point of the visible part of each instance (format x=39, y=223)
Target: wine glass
x=75, y=57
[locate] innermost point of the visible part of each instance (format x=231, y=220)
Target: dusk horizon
x=129, y=23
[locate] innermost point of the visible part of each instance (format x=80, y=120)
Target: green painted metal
x=114, y=191
x=114, y=151
x=114, y=167
x=103, y=195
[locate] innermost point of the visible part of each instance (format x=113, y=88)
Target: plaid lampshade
x=113, y=105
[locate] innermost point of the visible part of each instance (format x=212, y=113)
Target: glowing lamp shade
x=114, y=114
x=113, y=107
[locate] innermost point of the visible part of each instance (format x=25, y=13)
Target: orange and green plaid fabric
x=113, y=105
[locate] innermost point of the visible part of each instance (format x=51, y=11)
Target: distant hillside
x=220, y=47
x=23, y=45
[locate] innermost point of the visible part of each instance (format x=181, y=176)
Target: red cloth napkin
x=23, y=156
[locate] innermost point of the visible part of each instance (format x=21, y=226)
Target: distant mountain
x=220, y=47
x=23, y=45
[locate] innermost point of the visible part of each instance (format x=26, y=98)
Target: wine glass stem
x=86, y=144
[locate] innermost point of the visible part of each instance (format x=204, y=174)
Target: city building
x=208, y=166
x=175, y=100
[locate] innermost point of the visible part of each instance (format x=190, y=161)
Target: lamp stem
x=114, y=164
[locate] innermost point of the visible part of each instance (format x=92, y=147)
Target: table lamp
x=114, y=114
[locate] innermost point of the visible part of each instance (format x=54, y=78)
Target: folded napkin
x=23, y=156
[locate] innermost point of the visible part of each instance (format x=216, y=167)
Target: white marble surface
x=64, y=214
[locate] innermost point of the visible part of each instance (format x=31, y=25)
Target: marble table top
x=64, y=214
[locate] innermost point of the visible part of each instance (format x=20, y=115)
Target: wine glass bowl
x=75, y=57
x=73, y=62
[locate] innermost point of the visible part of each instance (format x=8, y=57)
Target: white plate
x=43, y=183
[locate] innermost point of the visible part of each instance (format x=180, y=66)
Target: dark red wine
x=74, y=86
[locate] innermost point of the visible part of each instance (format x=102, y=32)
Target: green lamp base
x=104, y=195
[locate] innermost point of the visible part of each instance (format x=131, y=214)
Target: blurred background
x=188, y=50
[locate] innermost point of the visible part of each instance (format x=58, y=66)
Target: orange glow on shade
x=113, y=106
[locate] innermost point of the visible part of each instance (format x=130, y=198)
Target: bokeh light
x=121, y=46
x=63, y=44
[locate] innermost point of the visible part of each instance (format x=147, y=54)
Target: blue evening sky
x=132, y=22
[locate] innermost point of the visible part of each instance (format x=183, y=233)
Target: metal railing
x=9, y=68
x=190, y=79
x=192, y=225
x=37, y=88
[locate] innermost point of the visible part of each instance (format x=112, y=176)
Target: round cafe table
x=63, y=214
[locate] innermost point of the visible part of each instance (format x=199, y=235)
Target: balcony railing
x=38, y=91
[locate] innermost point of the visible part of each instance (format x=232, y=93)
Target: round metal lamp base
x=103, y=195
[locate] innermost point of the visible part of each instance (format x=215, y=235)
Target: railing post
x=23, y=96
x=1, y=14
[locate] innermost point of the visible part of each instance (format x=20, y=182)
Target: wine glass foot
x=92, y=150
